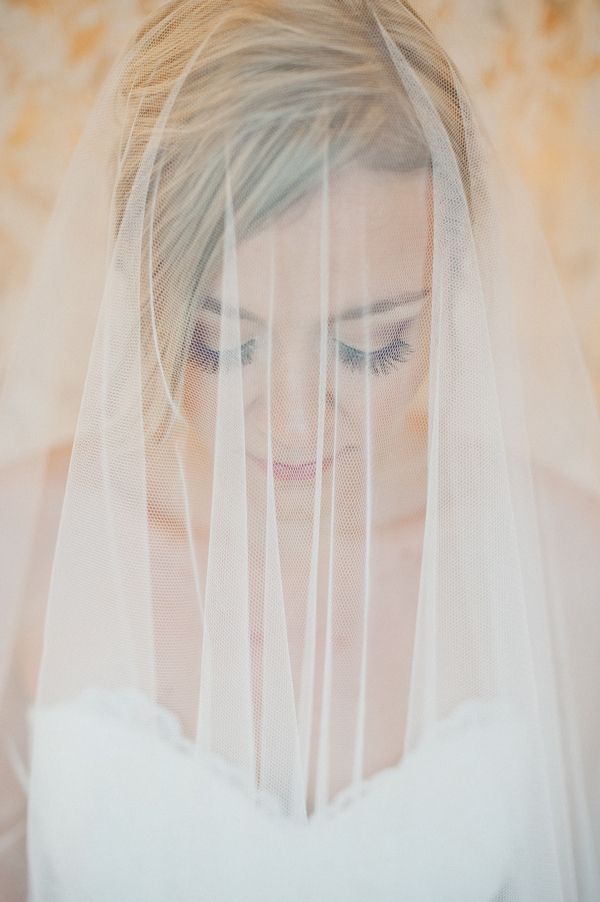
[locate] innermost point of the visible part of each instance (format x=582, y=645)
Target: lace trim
x=131, y=706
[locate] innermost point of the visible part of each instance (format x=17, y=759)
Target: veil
x=300, y=480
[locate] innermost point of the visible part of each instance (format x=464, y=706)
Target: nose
x=295, y=403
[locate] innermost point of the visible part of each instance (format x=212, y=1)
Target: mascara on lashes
x=380, y=361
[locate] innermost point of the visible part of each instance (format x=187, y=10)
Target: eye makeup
x=212, y=360
x=380, y=362
x=205, y=351
x=380, y=348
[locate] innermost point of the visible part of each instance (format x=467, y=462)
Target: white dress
x=127, y=809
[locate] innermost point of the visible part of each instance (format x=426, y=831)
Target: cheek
x=200, y=405
x=392, y=396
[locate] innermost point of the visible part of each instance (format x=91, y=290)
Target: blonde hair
x=259, y=89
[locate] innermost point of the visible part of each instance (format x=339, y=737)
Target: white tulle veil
x=333, y=462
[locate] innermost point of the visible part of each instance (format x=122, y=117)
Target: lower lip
x=292, y=472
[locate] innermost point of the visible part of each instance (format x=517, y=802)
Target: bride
x=300, y=491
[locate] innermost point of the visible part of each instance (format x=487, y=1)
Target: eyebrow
x=380, y=306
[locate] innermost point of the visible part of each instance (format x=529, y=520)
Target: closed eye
x=380, y=362
x=210, y=359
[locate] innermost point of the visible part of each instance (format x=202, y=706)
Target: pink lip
x=292, y=472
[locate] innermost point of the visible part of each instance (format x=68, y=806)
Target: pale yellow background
x=533, y=65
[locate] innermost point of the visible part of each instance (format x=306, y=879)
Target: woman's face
x=331, y=338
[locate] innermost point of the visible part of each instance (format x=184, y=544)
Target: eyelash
x=210, y=360
x=380, y=362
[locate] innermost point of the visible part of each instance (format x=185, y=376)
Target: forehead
x=376, y=244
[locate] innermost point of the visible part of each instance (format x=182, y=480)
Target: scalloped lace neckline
x=132, y=707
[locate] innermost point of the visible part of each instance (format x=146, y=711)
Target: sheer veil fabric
x=300, y=490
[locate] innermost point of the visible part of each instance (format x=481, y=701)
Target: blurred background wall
x=533, y=66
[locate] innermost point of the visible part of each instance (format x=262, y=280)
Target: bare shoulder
x=52, y=466
x=570, y=526
x=572, y=506
x=569, y=518
x=32, y=492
